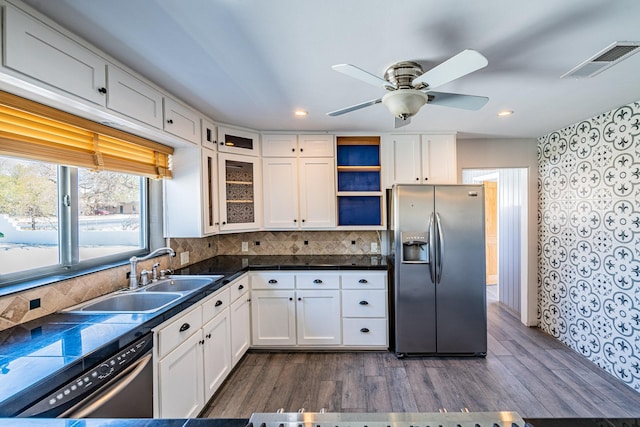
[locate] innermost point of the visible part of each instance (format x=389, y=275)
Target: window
x=56, y=218
x=73, y=193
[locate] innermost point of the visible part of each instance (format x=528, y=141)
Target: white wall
x=512, y=153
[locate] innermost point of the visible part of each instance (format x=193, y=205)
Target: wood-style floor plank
x=525, y=370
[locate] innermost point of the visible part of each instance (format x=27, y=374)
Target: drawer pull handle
x=364, y=303
x=364, y=330
x=218, y=303
x=273, y=281
x=317, y=281
x=363, y=281
x=241, y=287
x=184, y=327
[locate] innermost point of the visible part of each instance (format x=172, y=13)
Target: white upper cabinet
x=240, y=191
x=191, y=197
x=422, y=159
x=43, y=53
x=299, y=181
x=181, y=121
x=132, y=97
x=439, y=159
x=315, y=146
x=237, y=141
x=279, y=145
x=209, y=135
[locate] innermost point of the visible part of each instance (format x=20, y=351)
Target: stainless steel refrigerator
x=439, y=287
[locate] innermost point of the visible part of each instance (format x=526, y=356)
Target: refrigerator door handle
x=432, y=247
x=440, y=249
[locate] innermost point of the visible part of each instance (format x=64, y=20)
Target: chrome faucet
x=133, y=275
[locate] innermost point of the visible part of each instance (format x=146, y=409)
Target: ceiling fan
x=410, y=87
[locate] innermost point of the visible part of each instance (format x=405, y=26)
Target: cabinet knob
x=304, y=220
x=426, y=179
x=240, y=287
x=201, y=342
x=224, y=222
x=362, y=281
x=317, y=281
x=218, y=303
x=364, y=303
x=295, y=220
x=299, y=299
x=221, y=142
x=417, y=179
x=170, y=121
x=184, y=327
x=208, y=336
x=102, y=90
x=364, y=330
x=273, y=281
x=290, y=299
x=293, y=150
x=301, y=150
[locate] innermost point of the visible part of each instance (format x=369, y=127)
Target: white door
x=280, y=186
x=279, y=145
x=318, y=317
x=240, y=328
x=273, y=320
x=180, y=380
x=217, y=354
x=317, y=192
x=406, y=159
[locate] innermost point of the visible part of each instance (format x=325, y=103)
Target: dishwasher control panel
x=67, y=396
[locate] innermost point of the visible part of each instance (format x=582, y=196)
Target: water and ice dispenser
x=415, y=247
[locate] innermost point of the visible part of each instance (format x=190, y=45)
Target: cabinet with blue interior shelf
x=359, y=188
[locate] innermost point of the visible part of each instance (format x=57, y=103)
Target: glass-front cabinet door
x=239, y=178
x=237, y=141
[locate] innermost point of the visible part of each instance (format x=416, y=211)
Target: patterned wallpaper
x=589, y=244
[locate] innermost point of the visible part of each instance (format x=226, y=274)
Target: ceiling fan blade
x=455, y=100
x=354, y=107
x=455, y=67
x=362, y=75
x=401, y=122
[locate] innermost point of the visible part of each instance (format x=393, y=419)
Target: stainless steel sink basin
x=129, y=302
x=181, y=284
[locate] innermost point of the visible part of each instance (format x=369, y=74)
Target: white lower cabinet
x=240, y=314
x=194, y=351
x=323, y=309
x=318, y=317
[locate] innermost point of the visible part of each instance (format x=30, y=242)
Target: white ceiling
x=253, y=62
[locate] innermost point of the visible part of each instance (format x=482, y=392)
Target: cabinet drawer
x=214, y=305
x=364, y=332
x=173, y=334
x=238, y=287
x=364, y=280
x=364, y=303
x=268, y=280
x=319, y=280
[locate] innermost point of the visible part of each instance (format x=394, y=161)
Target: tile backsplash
x=14, y=308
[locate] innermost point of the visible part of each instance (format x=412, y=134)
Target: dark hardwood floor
x=525, y=370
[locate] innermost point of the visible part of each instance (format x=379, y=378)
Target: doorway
x=505, y=228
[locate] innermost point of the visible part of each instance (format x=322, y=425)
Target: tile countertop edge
x=230, y=266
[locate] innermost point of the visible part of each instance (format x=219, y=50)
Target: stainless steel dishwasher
x=118, y=387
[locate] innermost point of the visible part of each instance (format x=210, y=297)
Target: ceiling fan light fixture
x=404, y=103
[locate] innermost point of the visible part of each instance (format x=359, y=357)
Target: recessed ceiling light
x=505, y=113
x=300, y=113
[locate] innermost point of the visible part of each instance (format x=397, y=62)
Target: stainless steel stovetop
x=387, y=419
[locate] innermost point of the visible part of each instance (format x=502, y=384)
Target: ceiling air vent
x=604, y=59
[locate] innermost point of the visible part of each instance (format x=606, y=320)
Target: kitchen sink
x=180, y=284
x=128, y=302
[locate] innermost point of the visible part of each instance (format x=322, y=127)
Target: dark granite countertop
x=43, y=354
